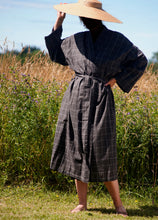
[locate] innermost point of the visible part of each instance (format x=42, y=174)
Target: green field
x=36, y=202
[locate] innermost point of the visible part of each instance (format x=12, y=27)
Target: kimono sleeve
x=53, y=44
x=131, y=69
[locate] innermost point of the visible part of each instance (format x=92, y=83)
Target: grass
x=26, y=112
x=30, y=98
x=40, y=67
x=36, y=202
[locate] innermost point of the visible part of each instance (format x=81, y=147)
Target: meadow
x=30, y=96
x=37, y=202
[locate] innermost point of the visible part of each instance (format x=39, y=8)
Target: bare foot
x=121, y=211
x=78, y=208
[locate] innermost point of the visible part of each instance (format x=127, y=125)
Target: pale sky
x=27, y=22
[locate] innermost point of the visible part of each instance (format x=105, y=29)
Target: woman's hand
x=61, y=16
x=60, y=19
x=111, y=82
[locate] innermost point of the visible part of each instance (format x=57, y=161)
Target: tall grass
x=28, y=114
x=37, y=67
x=30, y=97
x=137, y=137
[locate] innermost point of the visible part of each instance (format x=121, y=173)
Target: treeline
x=28, y=52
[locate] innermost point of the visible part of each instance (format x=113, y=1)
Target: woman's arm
x=53, y=41
x=59, y=20
x=132, y=68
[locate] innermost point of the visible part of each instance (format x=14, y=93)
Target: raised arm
x=59, y=20
x=53, y=41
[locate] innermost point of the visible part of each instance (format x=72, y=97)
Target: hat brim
x=85, y=11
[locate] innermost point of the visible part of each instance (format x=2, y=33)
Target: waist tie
x=91, y=77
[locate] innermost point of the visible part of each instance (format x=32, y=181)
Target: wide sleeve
x=132, y=68
x=53, y=44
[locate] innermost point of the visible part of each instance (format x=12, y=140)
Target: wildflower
x=128, y=113
x=23, y=75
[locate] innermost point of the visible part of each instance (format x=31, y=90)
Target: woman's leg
x=113, y=188
x=81, y=188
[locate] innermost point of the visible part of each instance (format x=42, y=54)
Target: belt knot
x=90, y=76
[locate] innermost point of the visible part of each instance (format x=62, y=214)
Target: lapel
x=94, y=49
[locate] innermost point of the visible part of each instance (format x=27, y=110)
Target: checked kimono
x=85, y=141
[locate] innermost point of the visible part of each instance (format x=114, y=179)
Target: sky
x=26, y=23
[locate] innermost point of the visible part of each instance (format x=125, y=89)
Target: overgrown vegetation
x=30, y=97
x=28, y=111
x=137, y=137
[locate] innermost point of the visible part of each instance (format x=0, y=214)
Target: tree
x=154, y=61
x=28, y=52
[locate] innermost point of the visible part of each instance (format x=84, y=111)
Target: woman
x=85, y=140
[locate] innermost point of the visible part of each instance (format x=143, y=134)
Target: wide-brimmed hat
x=87, y=8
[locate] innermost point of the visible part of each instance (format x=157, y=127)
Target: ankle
x=121, y=211
x=84, y=205
x=118, y=204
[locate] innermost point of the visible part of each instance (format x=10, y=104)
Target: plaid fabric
x=85, y=140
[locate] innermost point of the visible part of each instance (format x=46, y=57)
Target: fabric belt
x=91, y=77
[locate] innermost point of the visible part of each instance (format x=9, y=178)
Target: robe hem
x=85, y=180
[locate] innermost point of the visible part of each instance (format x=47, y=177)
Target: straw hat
x=87, y=8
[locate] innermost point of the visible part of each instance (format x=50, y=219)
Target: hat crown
x=91, y=3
